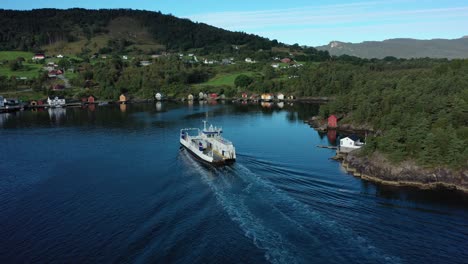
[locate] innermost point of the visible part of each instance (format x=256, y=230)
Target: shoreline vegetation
x=375, y=167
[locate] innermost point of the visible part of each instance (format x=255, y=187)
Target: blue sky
x=305, y=22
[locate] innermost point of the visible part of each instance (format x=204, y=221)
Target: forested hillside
x=33, y=30
x=419, y=108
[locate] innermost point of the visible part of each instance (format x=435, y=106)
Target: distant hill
x=115, y=30
x=402, y=48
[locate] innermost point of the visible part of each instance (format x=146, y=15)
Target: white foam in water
x=302, y=222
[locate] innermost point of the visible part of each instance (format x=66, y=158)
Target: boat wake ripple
x=289, y=231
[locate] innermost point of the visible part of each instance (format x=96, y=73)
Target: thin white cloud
x=326, y=16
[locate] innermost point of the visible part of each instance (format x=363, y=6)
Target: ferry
x=208, y=144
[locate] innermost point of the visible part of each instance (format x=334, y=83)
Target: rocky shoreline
x=377, y=168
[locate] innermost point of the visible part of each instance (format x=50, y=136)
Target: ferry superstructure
x=208, y=144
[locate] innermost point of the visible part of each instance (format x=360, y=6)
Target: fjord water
x=110, y=184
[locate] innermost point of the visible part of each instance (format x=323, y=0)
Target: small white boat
x=208, y=144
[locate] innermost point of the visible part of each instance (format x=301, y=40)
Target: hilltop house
x=249, y=60
x=38, y=56
x=145, y=63
x=60, y=56
x=286, y=60
x=57, y=101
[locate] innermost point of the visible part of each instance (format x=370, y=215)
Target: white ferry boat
x=208, y=144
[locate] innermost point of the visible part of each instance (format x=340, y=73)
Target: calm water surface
x=112, y=185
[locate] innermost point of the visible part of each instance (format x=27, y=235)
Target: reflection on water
x=57, y=115
x=158, y=106
x=266, y=104
x=4, y=117
x=280, y=104
x=331, y=135
x=123, y=107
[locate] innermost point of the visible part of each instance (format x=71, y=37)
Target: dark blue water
x=112, y=185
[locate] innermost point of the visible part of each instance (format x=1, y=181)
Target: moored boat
x=208, y=144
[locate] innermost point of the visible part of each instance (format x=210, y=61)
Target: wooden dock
x=327, y=147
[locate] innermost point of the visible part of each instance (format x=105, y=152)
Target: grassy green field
x=225, y=79
x=12, y=55
x=28, y=70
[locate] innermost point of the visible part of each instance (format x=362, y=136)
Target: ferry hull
x=195, y=152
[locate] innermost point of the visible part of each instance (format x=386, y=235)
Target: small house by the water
x=57, y=101
x=91, y=99
x=158, y=96
x=190, y=97
x=280, y=96
x=350, y=143
x=123, y=98
x=267, y=97
x=245, y=96
x=201, y=96
x=291, y=97
x=332, y=121
x=213, y=96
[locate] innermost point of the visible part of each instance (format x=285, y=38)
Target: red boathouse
x=332, y=121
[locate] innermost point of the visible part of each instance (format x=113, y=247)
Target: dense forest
x=31, y=30
x=419, y=108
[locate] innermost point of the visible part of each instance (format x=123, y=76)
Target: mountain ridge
x=401, y=48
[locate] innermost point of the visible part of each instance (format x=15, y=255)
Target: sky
x=306, y=22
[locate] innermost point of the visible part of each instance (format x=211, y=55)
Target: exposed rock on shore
x=378, y=169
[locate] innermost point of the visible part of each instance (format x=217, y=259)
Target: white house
x=125, y=57
x=190, y=97
x=56, y=101
x=60, y=56
x=145, y=63
x=280, y=96
x=201, y=96
x=158, y=96
x=350, y=143
x=249, y=60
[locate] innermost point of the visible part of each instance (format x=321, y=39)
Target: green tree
x=242, y=81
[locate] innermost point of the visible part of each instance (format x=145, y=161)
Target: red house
x=213, y=96
x=244, y=95
x=332, y=121
x=91, y=99
x=38, y=56
x=286, y=60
